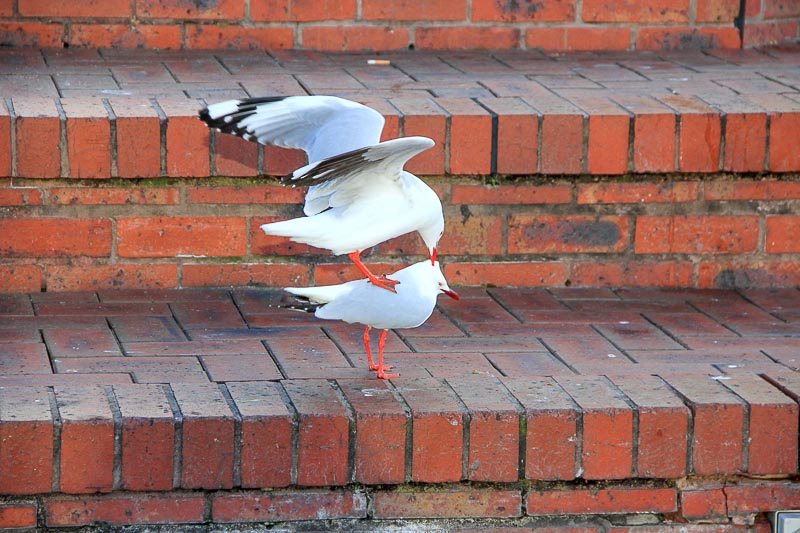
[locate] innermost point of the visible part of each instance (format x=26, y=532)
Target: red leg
x=381, y=368
x=383, y=282
x=366, y=347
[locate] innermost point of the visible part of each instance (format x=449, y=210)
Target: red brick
x=718, y=424
x=686, y=38
x=68, y=342
x=323, y=433
x=448, y=504
x=780, y=9
x=267, y=425
x=55, y=237
x=26, y=434
x=287, y=505
x=783, y=156
x=147, y=36
x=281, y=161
x=636, y=273
x=87, y=439
x=698, y=135
x=477, y=235
x=10, y=194
x=770, y=32
x=234, y=156
x=601, y=501
x=18, y=515
x=780, y=237
x=562, y=143
x=208, y=435
x=607, y=148
x=670, y=192
x=716, y=10
x=244, y=275
x=425, y=118
x=470, y=136
x=526, y=11
x=5, y=142
x=125, y=510
x=187, y=139
x=507, y=274
x=546, y=38
x=213, y=37
x=663, y=425
x=113, y=196
x=551, y=428
x=189, y=236
x=517, y=135
x=567, y=234
x=310, y=10
x=148, y=437
x=414, y=10
x=761, y=497
x=271, y=245
x=45, y=35
x=703, y=504
x=461, y=37
x=493, y=428
x=138, y=138
x=354, y=38
x=88, y=138
x=745, y=142
x=773, y=422
x=43, y=8
x=607, y=428
x=242, y=194
x=511, y=194
x=380, y=431
x=38, y=134
x=85, y=277
x=230, y=10
x=696, y=234
x=21, y=278
x=741, y=189
x=600, y=39
x=635, y=11
x=437, y=429
x=653, y=133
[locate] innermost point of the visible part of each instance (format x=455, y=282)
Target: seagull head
x=431, y=235
x=442, y=283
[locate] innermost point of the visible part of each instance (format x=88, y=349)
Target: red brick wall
x=355, y=25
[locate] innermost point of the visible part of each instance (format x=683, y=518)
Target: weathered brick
x=105, y=35
x=653, y=133
x=517, y=135
x=567, y=234
x=114, y=196
x=780, y=234
x=607, y=148
x=148, y=437
x=696, y=234
x=88, y=138
x=718, y=418
x=448, y=504
x=425, y=118
x=450, y=37
x=267, y=426
x=354, y=38
x=213, y=37
x=208, y=435
x=245, y=275
x=698, y=134
x=437, y=429
x=703, y=503
x=323, y=433
x=188, y=236
x=551, y=428
x=38, y=133
x=18, y=515
x=602, y=501
x=187, y=139
x=280, y=506
x=125, y=510
x=607, y=451
x=623, y=11
x=663, y=426
x=507, y=274
x=638, y=193
x=87, y=439
x=121, y=275
x=55, y=237
x=470, y=136
x=493, y=428
x=761, y=497
x=380, y=432
x=526, y=11
x=414, y=10
x=176, y=9
x=26, y=441
x=510, y=194
x=138, y=138
x=43, y=8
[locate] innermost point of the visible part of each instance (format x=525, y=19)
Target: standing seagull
x=360, y=302
x=359, y=194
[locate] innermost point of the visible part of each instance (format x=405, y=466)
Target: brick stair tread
x=195, y=385
x=592, y=113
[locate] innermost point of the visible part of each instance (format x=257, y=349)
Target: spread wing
x=322, y=126
x=337, y=180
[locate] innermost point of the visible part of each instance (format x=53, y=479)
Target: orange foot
x=381, y=374
x=385, y=283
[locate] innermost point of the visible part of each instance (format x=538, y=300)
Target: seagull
x=358, y=195
x=362, y=302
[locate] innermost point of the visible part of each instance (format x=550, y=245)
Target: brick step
x=132, y=113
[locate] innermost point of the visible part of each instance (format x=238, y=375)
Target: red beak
x=433, y=256
x=451, y=294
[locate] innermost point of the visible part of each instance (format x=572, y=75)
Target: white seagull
x=361, y=302
x=359, y=194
